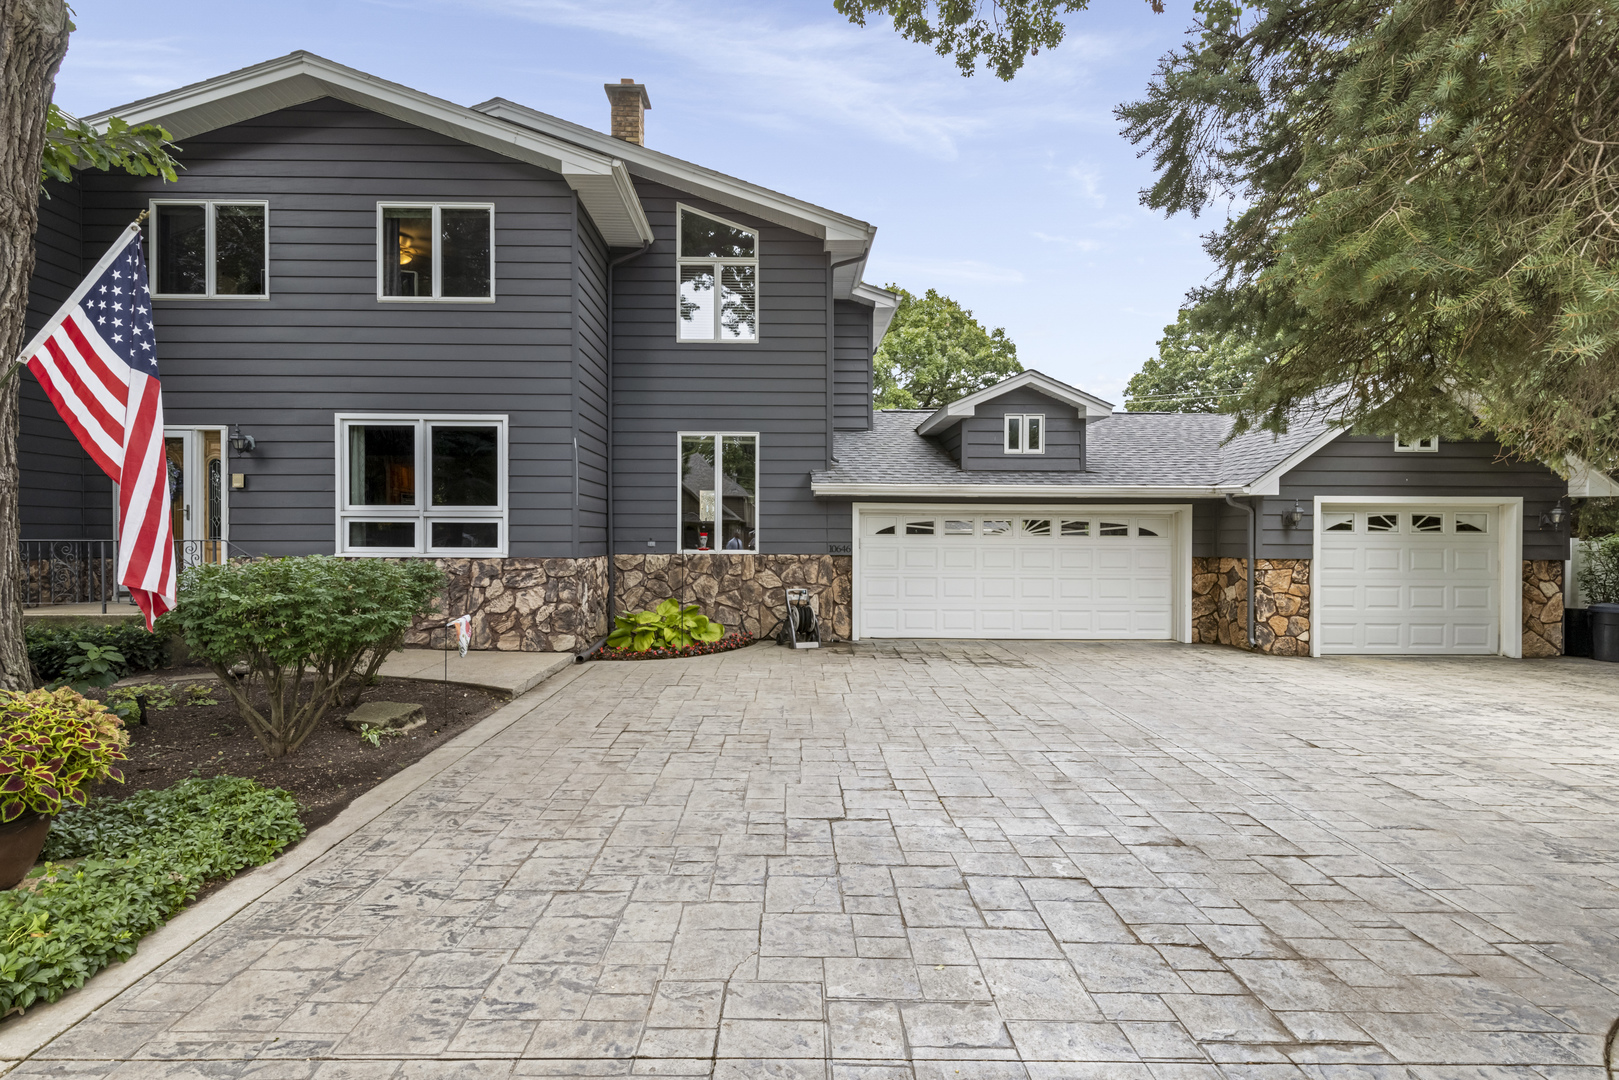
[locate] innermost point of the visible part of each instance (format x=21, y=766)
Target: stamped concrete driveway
x=950, y=862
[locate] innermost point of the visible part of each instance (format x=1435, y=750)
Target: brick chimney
x=630, y=103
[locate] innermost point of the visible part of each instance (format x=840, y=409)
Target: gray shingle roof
x=1129, y=449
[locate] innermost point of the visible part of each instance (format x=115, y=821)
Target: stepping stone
x=387, y=716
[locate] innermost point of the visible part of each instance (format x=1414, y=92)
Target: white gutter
x=1025, y=491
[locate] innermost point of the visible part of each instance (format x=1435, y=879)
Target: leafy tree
x=1195, y=370
x=1003, y=33
x=935, y=352
x=33, y=39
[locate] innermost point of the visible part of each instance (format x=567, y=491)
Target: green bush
x=52, y=647
x=53, y=744
x=307, y=627
x=145, y=858
x=1599, y=577
x=667, y=626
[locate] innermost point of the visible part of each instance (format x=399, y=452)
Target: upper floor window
x=435, y=251
x=719, y=279
x=1429, y=445
x=413, y=485
x=209, y=248
x=1025, y=433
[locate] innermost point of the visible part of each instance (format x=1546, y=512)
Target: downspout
x=1253, y=584
x=612, y=562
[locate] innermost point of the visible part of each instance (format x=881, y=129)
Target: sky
x=1017, y=199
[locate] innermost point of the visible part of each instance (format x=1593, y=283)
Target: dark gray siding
x=324, y=344
x=590, y=384
x=1368, y=465
x=778, y=387
x=983, y=436
x=851, y=346
x=64, y=495
x=950, y=439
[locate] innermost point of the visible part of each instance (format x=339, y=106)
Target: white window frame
x=681, y=262
x=422, y=511
x=1428, y=445
x=211, y=212
x=1021, y=420
x=719, y=438
x=438, y=251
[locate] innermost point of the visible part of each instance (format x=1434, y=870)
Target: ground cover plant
x=141, y=859
x=56, y=649
x=309, y=629
x=735, y=640
x=667, y=626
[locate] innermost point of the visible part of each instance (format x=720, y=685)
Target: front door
x=197, y=513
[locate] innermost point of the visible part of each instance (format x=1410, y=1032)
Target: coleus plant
x=54, y=744
x=667, y=626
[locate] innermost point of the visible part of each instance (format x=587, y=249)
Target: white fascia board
x=842, y=237
x=1087, y=406
x=1271, y=482
x=1018, y=491
x=883, y=305
x=1585, y=482
x=302, y=77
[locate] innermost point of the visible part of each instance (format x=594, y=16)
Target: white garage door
x=974, y=575
x=1401, y=580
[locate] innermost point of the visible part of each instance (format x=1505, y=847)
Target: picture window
x=719, y=279
x=719, y=492
x=209, y=250
x=436, y=251
x=422, y=485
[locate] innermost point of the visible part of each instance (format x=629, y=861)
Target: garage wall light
x=1294, y=517
x=1555, y=517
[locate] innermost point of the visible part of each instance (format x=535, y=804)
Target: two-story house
x=391, y=326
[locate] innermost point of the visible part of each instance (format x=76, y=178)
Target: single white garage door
x=975, y=575
x=1400, y=580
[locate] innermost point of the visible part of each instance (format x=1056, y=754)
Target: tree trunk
x=33, y=39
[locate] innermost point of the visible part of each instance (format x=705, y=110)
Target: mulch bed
x=326, y=773
x=736, y=640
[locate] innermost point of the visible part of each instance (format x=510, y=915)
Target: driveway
x=950, y=861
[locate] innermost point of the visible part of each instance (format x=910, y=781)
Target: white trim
x=1584, y=482
x=883, y=305
x=438, y=251
x=1086, y=406
x=1180, y=515
x=718, y=265
x=1509, y=553
x=602, y=182
x=210, y=213
x=1408, y=446
x=193, y=487
x=1047, y=492
x=1271, y=482
x=719, y=438
x=421, y=511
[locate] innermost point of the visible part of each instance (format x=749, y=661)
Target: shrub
x=144, y=858
x=667, y=626
x=52, y=744
x=53, y=646
x=1599, y=577
x=305, y=626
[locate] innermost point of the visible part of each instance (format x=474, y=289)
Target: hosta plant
x=667, y=626
x=53, y=744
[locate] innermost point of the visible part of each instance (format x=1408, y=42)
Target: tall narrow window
x=719, y=492
x=1025, y=433
x=434, y=251
x=719, y=280
x=210, y=249
x=422, y=485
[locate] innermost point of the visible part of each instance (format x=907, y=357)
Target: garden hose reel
x=802, y=629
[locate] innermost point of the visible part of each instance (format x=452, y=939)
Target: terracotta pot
x=20, y=844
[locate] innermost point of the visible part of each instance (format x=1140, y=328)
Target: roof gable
x=1086, y=406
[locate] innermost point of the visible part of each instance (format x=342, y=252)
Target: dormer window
x=1429, y=445
x=1025, y=433
x=719, y=280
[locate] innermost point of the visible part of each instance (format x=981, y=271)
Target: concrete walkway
x=509, y=673
x=947, y=862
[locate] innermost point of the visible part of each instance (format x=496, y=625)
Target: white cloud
x=122, y=70
x=1076, y=244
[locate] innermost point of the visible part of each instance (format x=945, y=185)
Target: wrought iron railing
x=86, y=571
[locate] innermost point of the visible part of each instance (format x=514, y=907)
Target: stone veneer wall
x=744, y=592
x=1542, y=608
x=521, y=605
x=1281, y=606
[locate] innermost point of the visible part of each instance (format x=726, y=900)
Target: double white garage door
x=1047, y=574
x=1408, y=580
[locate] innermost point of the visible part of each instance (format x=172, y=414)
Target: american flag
x=97, y=360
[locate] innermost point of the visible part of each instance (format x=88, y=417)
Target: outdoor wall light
x=242, y=444
x=1294, y=517
x=1555, y=517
